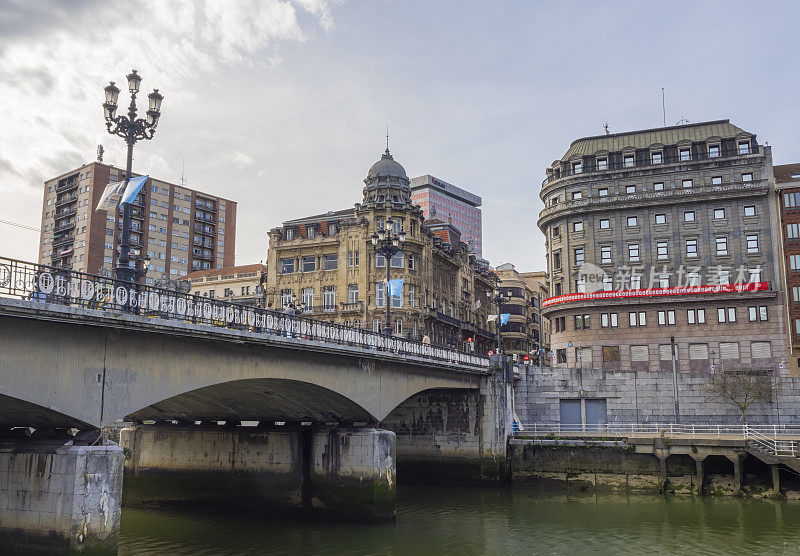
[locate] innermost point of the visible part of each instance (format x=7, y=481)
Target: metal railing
x=669, y=429
x=771, y=444
x=50, y=284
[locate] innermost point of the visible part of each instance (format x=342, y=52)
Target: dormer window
x=577, y=167
x=656, y=158
x=332, y=229
x=685, y=154
x=602, y=164
x=381, y=198
x=628, y=161
x=713, y=151
x=744, y=147
x=395, y=199
x=312, y=231
x=289, y=233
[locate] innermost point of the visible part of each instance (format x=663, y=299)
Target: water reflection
x=463, y=521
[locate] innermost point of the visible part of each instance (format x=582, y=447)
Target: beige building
x=328, y=264
x=178, y=228
x=235, y=283
x=665, y=233
x=523, y=294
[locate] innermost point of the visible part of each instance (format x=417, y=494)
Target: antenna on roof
x=387, y=137
x=663, y=107
x=605, y=128
x=183, y=166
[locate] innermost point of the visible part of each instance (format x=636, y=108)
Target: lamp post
x=387, y=242
x=497, y=298
x=131, y=129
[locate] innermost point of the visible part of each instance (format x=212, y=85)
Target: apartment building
x=523, y=333
x=178, y=228
x=787, y=183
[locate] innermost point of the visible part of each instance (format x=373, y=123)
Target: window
x=716, y=180
x=602, y=164
x=380, y=260
x=666, y=318
x=719, y=213
x=662, y=249
x=632, y=221
x=376, y=325
x=380, y=294
x=794, y=262
x=579, y=256
x=561, y=356
x=308, y=298
x=726, y=314
x=744, y=147
x=696, y=316
x=663, y=281
x=577, y=167
x=287, y=266
x=747, y=177
x=555, y=231
x=398, y=326
x=352, y=258
x=688, y=216
x=608, y=283
x=628, y=161
x=352, y=293
x=605, y=254
x=577, y=195
x=790, y=200
x=331, y=229
x=577, y=226
x=397, y=260
x=605, y=224
x=655, y=158
x=556, y=261
x=687, y=184
x=796, y=294
x=713, y=151
x=633, y=252
x=630, y=189
x=330, y=262
x=685, y=154
x=602, y=192
x=608, y=320
x=750, y=210
x=581, y=322
x=610, y=354
x=309, y=264
x=637, y=318
x=411, y=296
x=580, y=285
x=758, y=313
x=792, y=231
x=329, y=297
x=311, y=231
x=560, y=324
x=289, y=233
x=722, y=245
x=658, y=186
x=752, y=243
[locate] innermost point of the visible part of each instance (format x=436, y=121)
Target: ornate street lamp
x=497, y=298
x=387, y=243
x=131, y=129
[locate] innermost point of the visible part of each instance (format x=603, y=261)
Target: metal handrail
x=672, y=429
x=51, y=284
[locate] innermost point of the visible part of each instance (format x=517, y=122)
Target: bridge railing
x=52, y=284
x=654, y=429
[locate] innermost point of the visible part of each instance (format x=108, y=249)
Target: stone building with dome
x=327, y=265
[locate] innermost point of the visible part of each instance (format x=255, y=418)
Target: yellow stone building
x=326, y=264
x=234, y=283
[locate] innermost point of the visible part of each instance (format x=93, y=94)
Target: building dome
x=387, y=166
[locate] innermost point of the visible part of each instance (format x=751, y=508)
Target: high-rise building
x=787, y=182
x=448, y=203
x=659, y=234
x=327, y=263
x=179, y=228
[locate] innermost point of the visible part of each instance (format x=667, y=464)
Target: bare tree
x=741, y=388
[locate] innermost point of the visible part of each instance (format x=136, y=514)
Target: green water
x=463, y=521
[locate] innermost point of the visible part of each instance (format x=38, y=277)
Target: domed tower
x=386, y=183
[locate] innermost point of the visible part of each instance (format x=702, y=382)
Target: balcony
x=63, y=227
x=65, y=212
x=137, y=214
x=205, y=206
x=66, y=186
x=71, y=198
x=202, y=242
x=61, y=240
x=200, y=230
x=354, y=307
x=207, y=255
x=445, y=318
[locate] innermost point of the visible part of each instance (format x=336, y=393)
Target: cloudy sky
x=282, y=105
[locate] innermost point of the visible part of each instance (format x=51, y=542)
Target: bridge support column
x=335, y=473
x=736, y=459
x=776, y=479
x=698, y=462
x=56, y=496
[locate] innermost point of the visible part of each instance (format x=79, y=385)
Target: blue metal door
x=570, y=415
x=596, y=417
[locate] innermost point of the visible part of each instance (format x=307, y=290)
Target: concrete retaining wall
x=59, y=497
x=644, y=397
x=335, y=473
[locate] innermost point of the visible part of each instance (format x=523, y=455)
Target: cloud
x=239, y=159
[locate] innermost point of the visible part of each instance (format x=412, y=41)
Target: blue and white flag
x=504, y=318
x=132, y=190
x=396, y=287
x=120, y=191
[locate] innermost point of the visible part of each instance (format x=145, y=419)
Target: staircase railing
x=771, y=444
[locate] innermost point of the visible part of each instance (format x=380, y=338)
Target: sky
x=282, y=106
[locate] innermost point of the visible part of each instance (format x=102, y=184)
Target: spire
x=388, y=154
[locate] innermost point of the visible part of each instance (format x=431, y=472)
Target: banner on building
x=120, y=191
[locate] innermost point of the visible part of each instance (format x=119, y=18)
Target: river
x=464, y=521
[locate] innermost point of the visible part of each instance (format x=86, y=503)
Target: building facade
x=178, y=228
x=235, y=283
x=787, y=183
x=444, y=201
x=660, y=234
x=327, y=262
x=523, y=331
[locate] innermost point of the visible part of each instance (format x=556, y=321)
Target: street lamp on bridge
x=131, y=129
x=387, y=242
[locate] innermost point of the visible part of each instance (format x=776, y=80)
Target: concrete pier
x=56, y=496
x=335, y=473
